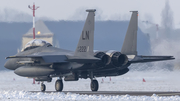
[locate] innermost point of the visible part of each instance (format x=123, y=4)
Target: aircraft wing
x=59, y=58
x=46, y=58
x=141, y=59
x=28, y=56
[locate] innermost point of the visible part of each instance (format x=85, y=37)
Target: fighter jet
x=40, y=60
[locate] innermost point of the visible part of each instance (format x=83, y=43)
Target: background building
x=41, y=32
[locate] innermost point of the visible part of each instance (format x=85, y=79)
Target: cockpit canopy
x=35, y=43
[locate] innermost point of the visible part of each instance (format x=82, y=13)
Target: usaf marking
x=85, y=36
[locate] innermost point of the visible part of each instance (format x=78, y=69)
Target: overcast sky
x=106, y=9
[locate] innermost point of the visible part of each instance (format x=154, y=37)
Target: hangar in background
x=41, y=31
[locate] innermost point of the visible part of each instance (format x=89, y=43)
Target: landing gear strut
x=94, y=85
x=59, y=85
x=43, y=87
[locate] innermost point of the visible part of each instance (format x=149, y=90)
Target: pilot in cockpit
x=35, y=43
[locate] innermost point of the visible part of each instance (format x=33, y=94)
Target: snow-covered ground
x=13, y=87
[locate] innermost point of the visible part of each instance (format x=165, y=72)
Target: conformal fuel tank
x=34, y=71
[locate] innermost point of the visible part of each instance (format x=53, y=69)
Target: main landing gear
x=94, y=85
x=58, y=86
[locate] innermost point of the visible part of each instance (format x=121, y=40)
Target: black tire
x=59, y=85
x=94, y=85
x=43, y=87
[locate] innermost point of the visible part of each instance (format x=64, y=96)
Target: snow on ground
x=22, y=95
x=13, y=87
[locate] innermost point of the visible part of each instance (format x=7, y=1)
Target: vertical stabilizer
x=86, y=42
x=130, y=43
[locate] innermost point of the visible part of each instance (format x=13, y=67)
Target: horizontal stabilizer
x=141, y=59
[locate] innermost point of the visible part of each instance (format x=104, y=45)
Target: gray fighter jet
x=42, y=61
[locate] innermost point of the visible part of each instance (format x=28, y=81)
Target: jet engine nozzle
x=105, y=59
x=118, y=59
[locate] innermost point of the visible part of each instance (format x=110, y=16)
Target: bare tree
x=167, y=20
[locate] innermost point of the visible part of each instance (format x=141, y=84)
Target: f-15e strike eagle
x=42, y=61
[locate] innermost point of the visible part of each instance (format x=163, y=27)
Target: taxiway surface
x=131, y=93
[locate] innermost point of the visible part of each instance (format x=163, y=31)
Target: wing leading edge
x=59, y=58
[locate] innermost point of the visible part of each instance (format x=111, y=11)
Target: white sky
x=108, y=9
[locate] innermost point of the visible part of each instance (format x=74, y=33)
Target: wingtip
x=133, y=11
x=10, y=57
x=170, y=57
x=90, y=10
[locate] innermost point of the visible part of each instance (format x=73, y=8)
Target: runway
x=114, y=93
